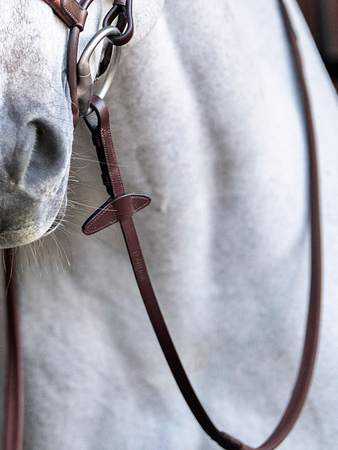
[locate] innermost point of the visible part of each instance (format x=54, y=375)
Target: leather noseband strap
x=120, y=207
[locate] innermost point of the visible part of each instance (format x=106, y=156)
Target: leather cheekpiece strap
x=70, y=12
x=73, y=15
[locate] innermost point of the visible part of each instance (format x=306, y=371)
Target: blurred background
x=322, y=17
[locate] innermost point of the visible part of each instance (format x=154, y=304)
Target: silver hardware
x=85, y=84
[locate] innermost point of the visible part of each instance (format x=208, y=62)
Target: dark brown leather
x=115, y=210
x=73, y=42
x=122, y=9
x=14, y=405
x=120, y=2
x=70, y=12
x=121, y=207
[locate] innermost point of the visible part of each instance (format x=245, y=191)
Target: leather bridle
x=120, y=207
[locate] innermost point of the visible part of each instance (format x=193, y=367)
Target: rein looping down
x=120, y=207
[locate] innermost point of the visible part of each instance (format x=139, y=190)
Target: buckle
x=85, y=84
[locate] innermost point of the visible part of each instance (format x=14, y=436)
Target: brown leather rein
x=120, y=207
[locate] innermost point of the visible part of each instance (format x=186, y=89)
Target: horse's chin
x=58, y=219
x=18, y=238
x=42, y=221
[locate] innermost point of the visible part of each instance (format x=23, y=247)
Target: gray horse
x=207, y=120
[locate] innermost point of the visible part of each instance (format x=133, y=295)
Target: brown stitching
x=114, y=211
x=76, y=19
x=118, y=190
x=142, y=205
x=107, y=224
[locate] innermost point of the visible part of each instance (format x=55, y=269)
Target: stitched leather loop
x=123, y=9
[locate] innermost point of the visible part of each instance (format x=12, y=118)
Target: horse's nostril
x=46, y=159
x=35, y=159
x=19, y=144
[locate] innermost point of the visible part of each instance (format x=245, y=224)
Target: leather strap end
x=70, y=12
x=115, y=210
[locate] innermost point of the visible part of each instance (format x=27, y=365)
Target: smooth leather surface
x=70, y=12
x=115, y=210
